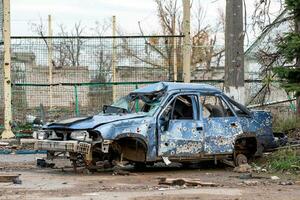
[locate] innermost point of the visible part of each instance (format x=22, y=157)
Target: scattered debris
x=246, y=176
x=286, y=183
x=184, y=181
x=120, y=172
x=6, y=178
x=244, y=168
x=263, y=170
x=42, y=163
x=103, y=164
x=227, y=162
x=250, y=183
x=294, y=133
x=249, y=176
x=166, y=160
x=258, y=169
x=274, y=178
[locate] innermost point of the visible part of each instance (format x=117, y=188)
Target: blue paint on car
x=175, y=120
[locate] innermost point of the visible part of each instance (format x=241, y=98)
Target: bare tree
x=261, y=17
x=103, y=51
x=66, y=50
x=204, y=40
x=264, y=49
x=204, y=37
x=70, y=47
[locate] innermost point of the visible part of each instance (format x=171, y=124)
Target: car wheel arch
x=131, y=146
x=246, y=144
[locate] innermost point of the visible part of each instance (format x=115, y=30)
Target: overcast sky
x=128, y=13
x=67, y=12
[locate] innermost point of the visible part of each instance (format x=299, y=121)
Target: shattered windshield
x=136, y=103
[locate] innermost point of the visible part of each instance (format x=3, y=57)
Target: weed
x=284, y=160
x=285, y=123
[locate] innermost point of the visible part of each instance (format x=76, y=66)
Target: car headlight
x=80, y=135
x=41, y=134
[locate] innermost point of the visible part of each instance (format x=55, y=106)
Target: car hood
x=91, y=122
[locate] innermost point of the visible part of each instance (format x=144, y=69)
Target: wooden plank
x=185, y=181
x=7, y=178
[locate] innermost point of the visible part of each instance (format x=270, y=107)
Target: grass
x=287, y=159
x=284, y=160
x=285, y=123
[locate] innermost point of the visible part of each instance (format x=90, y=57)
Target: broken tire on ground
x=245, y=148
x=240, y=159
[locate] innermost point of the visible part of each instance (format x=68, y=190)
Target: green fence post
x=76, y=100
x=292, y=106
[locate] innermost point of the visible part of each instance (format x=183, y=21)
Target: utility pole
x=114, y=58
x=186, y=42
x=174, y=50
x=234, y=51
x=7, y=133
x=50, y=64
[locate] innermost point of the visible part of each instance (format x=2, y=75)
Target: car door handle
x=199, y=128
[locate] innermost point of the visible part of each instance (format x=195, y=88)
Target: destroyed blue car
x=170, y=122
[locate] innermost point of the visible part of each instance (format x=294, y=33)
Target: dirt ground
x=65, y=184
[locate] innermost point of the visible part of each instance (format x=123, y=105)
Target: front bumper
x=64, y=146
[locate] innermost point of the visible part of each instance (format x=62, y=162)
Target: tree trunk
x=297, y=30
x=234, y=50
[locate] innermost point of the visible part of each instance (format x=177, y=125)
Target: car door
x=221, y=125
x=180, y=130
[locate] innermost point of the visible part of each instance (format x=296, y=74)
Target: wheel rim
x=241, y=159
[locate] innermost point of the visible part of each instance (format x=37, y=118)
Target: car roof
x=160, y=86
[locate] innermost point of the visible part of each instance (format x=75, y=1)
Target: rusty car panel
x=164, y=120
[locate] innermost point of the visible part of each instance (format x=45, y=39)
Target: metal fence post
x=76, y=100
x=186, y=42
x=136, y=101
x=7, y=133
x=50, y=64
x=114, y=60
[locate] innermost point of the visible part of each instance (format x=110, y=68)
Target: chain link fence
x=60, y=77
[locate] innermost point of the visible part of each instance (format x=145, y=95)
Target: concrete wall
x=62, y=96
x=137, y=74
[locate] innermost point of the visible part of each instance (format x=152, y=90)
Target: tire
x=240, y=159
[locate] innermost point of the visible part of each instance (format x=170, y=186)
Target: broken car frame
x=170, y=122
